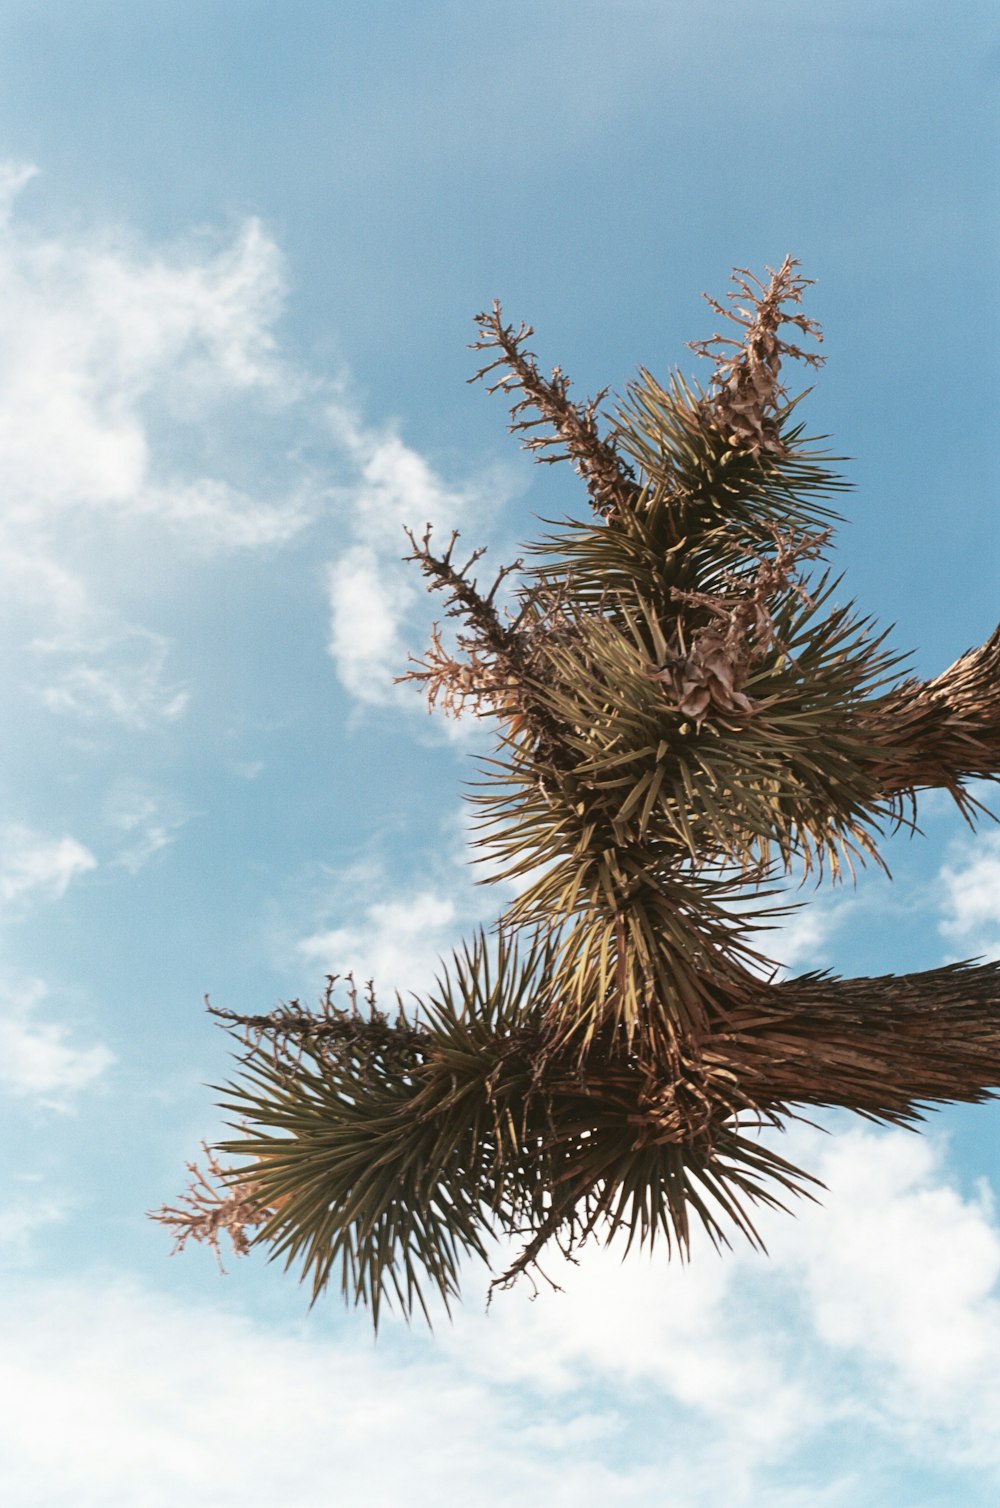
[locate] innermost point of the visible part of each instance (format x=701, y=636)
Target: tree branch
x=879, y=1047
x=507, y=678
x=610, y=481
x=937, y=734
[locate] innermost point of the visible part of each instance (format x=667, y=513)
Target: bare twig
x=609, y=480
x=746, y=389
x=206, y=1209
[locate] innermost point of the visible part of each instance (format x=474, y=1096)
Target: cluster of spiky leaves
x=385, y=1152
x=686, y=711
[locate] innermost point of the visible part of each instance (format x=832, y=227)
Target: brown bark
x=939, y=733
x=879, y=1046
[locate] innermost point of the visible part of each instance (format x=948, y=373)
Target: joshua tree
x=685, y=714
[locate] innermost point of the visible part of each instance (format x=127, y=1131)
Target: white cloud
x=220, y=515
x=642, y=1323
x=42, y=587
x=378, y=924
x=801, y=940
x=881, y=1303
x=131, y=377
x=971, y=900
x=899, y=1272
x=121, y=367
x=249, y=769
x=125, y=1375
x=32, y=865
x=368, y=606
x=37, y=1061
x=14, y=176
x=932, y=1321
x=733, y=1379
x=395, y=485
x=803, y=936
x=118, y=675
x=398, y=943
x=95, y=325
x=114, y=1395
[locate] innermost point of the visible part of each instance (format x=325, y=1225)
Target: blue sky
x=241, y=248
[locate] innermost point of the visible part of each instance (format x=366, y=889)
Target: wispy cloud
x=34, y=866
x=803, y=939
x=14, y=176
x=369, y=599
x=144, y=823
x=378, y=923
x=119, y=675
x=95, y=326
x=21, y=1220
x=124, y=367
x=118, y=361
x=37, y=1059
